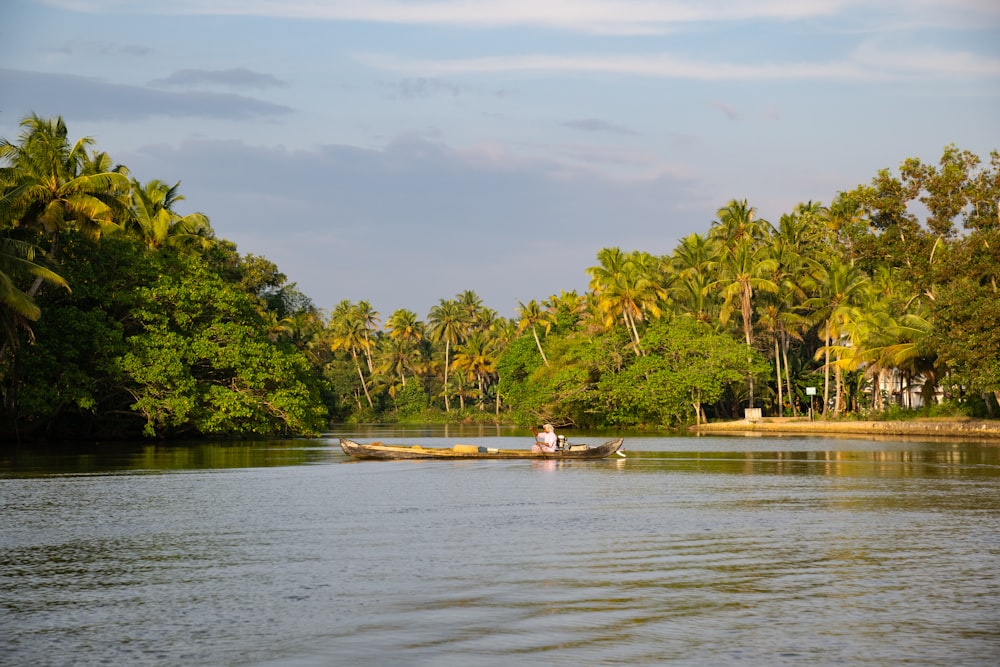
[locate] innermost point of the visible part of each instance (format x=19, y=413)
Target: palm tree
x=735, y=223
x=745, y=267
x=477, y=357
x=18, y=308
x=566, y=308
x=153, y=219
x=781, y=311
x=404, y=325
x=448, y=322
x=692, y=263
x=530, y=315
x=369, y=319
x=52, y=186
x=348, y=331
x=396, y=357
x=625, y=285
x=804, y=226
x=471, y=302
x=839, y=286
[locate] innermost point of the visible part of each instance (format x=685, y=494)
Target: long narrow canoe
x=377, y=450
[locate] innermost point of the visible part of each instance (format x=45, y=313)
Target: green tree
x=687, y=366
x=623, y=285
x=448, y=324
x=966, y=314
x=529, y=317
x=51, y=186
x=839, y=285
x=153, y=219
x=17, y=267
x=348, y=331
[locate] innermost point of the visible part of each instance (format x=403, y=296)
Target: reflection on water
x=136, y=457
x=689, y=551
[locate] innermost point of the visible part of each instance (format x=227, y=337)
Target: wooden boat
x=378, y=450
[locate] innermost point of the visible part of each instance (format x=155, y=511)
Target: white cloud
x=865, y=65
x=596, y=16
x=88, y=98
x=926, y=61
x=630, y=16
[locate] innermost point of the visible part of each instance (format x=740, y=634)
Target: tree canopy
x=122, y=317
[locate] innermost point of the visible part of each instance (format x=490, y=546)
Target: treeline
x=121, y=317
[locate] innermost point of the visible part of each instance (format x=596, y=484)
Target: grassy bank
x=964, y=428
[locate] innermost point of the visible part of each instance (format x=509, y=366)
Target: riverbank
x=964, y=428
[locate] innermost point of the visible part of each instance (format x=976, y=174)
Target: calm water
x=691, y=551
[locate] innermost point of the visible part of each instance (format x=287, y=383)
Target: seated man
x=546, y=440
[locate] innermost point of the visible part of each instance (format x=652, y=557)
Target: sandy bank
x=963, y=428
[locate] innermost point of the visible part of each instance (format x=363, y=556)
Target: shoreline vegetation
x=933, y=427
x=122, y=317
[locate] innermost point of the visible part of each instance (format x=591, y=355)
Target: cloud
x=232, y=78
x=597, y=125
x=109, y=49
x=86, y=98
x=926, y=61
x=422, y=88
x=613, y=17
x=592, y=16
x=417, y=220
x=866, y=65
x=728, y=109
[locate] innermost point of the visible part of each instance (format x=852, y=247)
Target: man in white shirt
x=546, y=440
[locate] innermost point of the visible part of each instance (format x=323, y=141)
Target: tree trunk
x=539, y=344
x=826, y=369
x=630, y=323
x=777, y=362
x=447, y=351
x=364, y=385
x=788, y=374
x=838, y=403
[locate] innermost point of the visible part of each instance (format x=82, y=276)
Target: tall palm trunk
x=777, y=362
x=630, y=323
x=746, y=303
x=447, y=354
x=364, y=385
x=788, y=373
x=538, y=344
x=838, y=404
x=826, y=369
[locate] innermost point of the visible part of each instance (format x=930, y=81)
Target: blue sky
x=405, y=151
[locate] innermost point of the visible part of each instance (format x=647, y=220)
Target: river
x=688, y=551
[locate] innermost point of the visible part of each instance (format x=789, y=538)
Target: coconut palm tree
x=152, y=218
x=745, y=267
x=566, y=308
x=396, y=356
x=839, y=285
x=347, y=331
x=370, y=320
x=693, y=264
x=624, y=285
x=403, y=325
x=477, y=357
x=448, y=321
x=736, y=222
x=17, y=308
x=51, y=186
x=528, y=317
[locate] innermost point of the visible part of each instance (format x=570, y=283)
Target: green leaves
x=201, y=360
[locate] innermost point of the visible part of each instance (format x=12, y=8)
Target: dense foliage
x=119, y=316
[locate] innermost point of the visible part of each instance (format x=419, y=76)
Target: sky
x=404, y=151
